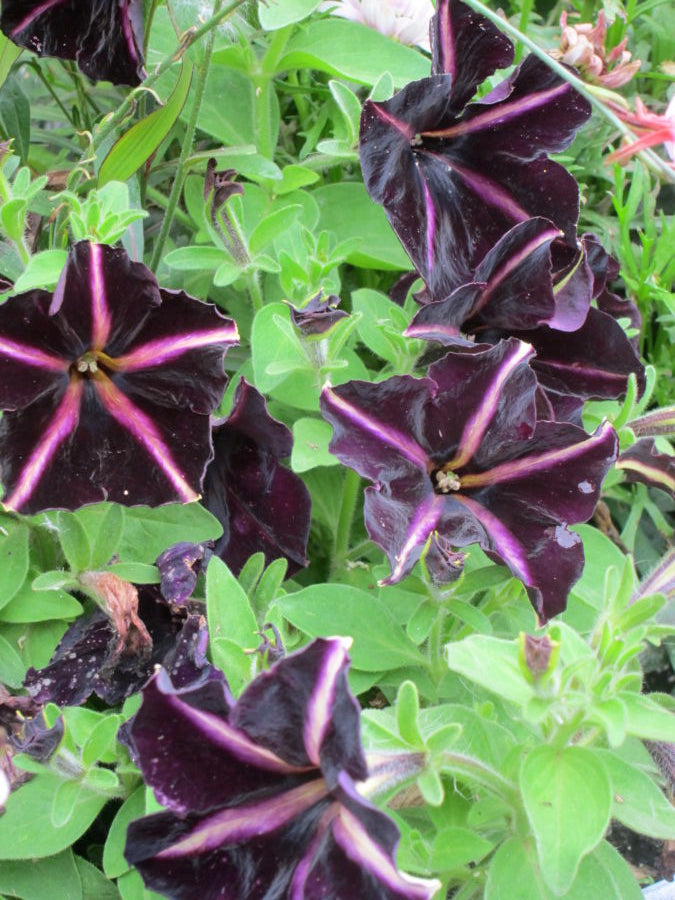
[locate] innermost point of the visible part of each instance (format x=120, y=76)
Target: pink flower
x=583, y=46
x=653, y=129
x=405, y=20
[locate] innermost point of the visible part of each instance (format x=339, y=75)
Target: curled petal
x=643, y=463
x=104, y=36
x=262, y=505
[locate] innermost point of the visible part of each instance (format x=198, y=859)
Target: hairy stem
x=181, y=171
x=350, y=493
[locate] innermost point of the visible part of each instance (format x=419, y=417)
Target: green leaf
x=324, y=610
x=187, y=259
x=273, y=340
x=55, y=580
x=270, y=583
x=456, y=847
x=605, y=874
x=431, y=787
x=514, y=874
x=381, y=324
x=648, y=720
x=138, y=144
x=74, y=541
x=638, y=802
x=568, y=799
x=14, y=560
x=228, y=609
x=294, y=177
x=9, y=53
x=275, y=14
x=17, y=879
x=114, y=863
x=310, y=444
x=492, y=663
x=101, y=740
x=407, y=710
x=12, y=672
x=109, y=529
x=15, y=117
x=147, y=532
x=347, y=211
x=95, y=886
x=272, y=226
x=31, y=605
x=43, y=271
x=350, y=107
x=138, y=573
x=237, y=665
x=352, y=51
x=251, y=572
x=26, y=828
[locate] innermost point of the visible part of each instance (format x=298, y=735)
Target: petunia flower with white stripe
x=460, y=454
x=107, y=386
x=260, y=793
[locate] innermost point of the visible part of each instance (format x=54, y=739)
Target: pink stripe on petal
x=143, y=429
x=446, y=50
x=100, y=314
x=126, y=28
x=235, y=742
x=61, y=427
x=321, y=701
x=487, y=190
x=296, y=890
x=403, y=127
x=504, y=541
x=537, y=462
x=498, y=114
x=424, y=522
x=245, y=822
x=512, y=263
x=396, y=439
x=478, y=424
x=431, y=224
x=159, y=351
x=25, y=22
x=357, y=844
x=32, y=356
x=653, y=473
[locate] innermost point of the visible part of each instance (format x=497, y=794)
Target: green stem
x=350, y=494
x=591, y=94
x=189, y=38
x=478, y=772
x=177, y=186
x=255, y=291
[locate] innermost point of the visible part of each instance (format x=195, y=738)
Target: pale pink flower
x=405, y=20
x=652, y=129
x=583, y=46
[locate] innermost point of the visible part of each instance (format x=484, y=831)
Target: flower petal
x=452, y=186
x=194, y=758
x=643, y=463
x=262, y=505
x=311, y=717
x=467, y=46
x=106, y=38
x=104, y=296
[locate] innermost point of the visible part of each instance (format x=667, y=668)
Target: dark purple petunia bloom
x=513, y=289
x=453, y=179
x=105, y=37
x=461, y=453
x=179, y=567
x=261, y=792
x=262, y=505
x=582, y=352
x=108, y=386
